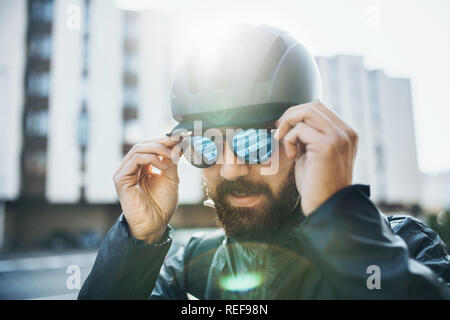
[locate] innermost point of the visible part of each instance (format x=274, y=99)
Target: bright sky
x=405, y=38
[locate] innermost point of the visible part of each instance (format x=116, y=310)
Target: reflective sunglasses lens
x=201, y=152
x=253, y=146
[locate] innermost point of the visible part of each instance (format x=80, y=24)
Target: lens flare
x=241, y=282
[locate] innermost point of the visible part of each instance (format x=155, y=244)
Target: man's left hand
x=324, y=148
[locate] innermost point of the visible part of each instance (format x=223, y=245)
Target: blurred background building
x=380, y=110
x=81, y=81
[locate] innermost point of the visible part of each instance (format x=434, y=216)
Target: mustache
x=242, y=185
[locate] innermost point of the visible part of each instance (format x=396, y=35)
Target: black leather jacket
x=331, y=254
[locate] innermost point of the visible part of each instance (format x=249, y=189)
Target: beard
x=277, y=209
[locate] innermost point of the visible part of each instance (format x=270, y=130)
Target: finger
x=176, y=153
x=329, y=113
x=348, y=133
x=341, y=124
x=172, y=164
x=168, y=141
x=150, y=147
x=146, y=148
x=309, y=115
x=129, y=175
x=292, y=109
x=133, y=166
x=332, y=116
x=170, y=174
x=303, y=134
x=172, y=170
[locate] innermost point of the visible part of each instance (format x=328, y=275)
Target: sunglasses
x=251, y=146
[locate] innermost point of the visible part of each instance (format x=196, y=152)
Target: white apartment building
x=379, y=108
x=81, y=81
x=108, y=83
x=12, y=65
x=126, y=91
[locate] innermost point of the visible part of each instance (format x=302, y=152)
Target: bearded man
x=277, y=166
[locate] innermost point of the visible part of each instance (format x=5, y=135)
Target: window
x=130, y=25
x=131, y=131
x=379, y=157
x=37, y=123
x=130, y=96
x=86, y=39
x=41, y=11
x=374, y=97
x=85, y=55
x=87, y=14
x=131, y=62
x=38, y=84
x=40, y=47
x=83, y=128
x=35, y=162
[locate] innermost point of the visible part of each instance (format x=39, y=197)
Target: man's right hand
x=148, y=199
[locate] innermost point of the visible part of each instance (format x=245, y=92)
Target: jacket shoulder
x=424, y=244
x=415, y=233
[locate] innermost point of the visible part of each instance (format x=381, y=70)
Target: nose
x=230, y=169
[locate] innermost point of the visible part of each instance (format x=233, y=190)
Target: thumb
x=172, y=170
